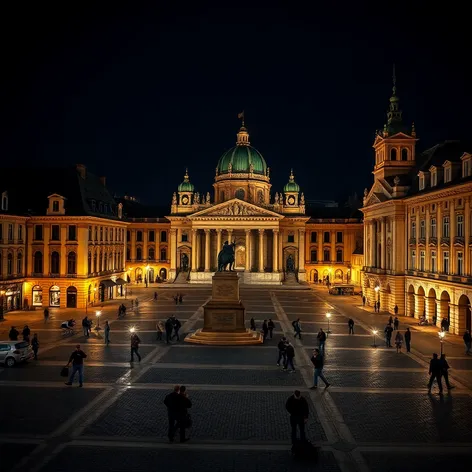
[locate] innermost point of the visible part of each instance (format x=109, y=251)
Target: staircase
x=290, y=279
x=182, y=277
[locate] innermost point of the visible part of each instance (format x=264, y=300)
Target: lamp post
x=441, y=339
x=374, y=332
x=328, y=315
x=98, y=313
x=377, y=298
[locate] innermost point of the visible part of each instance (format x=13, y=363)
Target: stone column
x=439, y=233
x=452, y=234
x=248, y=251
x=427, y=262
x=261, y=250
x=63, y=252
x=372, y=243
x=301, y=250
x=218, y=244
x=230, y=235
x=383, y=238
x=207, y=250
x=393, y=265
x=198, y=249
x=320, y=246
x=275, y=251
x=173, y=249
x=467, y=235
x=194, y=250
x=133, y=244
x=332, y=240
x=417, y=212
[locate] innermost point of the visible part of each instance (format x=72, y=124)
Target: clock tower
x=293, y=202
x=182, y=201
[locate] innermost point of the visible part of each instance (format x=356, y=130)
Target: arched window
x=163, y=236
x=89, y=263
x=19, y=263
x=139, y=254
x=38, y=262
x=163, y=254
x=55, y=263
x=404, y=154
x=393, y=154
x=239, y=194
x=151, y=254
x=10, y=264
x=71, y=263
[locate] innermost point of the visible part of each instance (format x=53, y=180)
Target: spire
x=394, y=114
x=292, y=177
x=186, y=177
x=243, y=135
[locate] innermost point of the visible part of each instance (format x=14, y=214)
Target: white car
x=12, y=352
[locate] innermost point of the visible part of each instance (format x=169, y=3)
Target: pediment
x=235, y=208
x=380, y=192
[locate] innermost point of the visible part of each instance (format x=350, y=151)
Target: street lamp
x=98, y=313
x=328, y=315
x=377, y=298
x=374, y=332
x=441, y=339
x=132, y=330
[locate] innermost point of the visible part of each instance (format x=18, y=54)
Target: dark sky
x=138, y=93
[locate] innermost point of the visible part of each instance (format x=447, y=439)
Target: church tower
x=182, y=201
x=395, y=145
x=293, y=203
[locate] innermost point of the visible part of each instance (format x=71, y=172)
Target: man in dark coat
x=183, y=417
x=170, y=401
x=169, y=326
x=435, y=373
x=297, y=406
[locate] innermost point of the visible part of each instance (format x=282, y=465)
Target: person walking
x=35, y=346
x=390, y=320
x=135, y=341
x=169, y=326
x=363, y=300
x=407, y=339
x=26, y=334
x=467, y=341
x=282, y=348
x=155, y=295
x=265, y=330
x=378, y=307
x=170, y=401
x=159, y=330
x=321, y=339
x=350, y=323
x=444, y=371
x=77, y=360
x=86, y=326
x=253, y=324
x=297, y=406
x=271, y=326
x=177, y=325
x=13, y=334
x=297, y=327
x=106, y=330
x=395, y=310
x=399, y=341
x=317, y=361
x=396, y=323
x=290, y=352
x=183, y=418
x=46, y=315
x=435, y=373
x=181, y=299
x=388, y=335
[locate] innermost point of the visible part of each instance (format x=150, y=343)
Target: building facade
x=417, y=227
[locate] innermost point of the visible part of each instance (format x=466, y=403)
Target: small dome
x=291, y=185
x=186, y=186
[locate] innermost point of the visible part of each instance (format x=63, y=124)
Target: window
x=72, y=233
x=38, y=232
x=10, y=264
x=393, y=154
x=326, y=255
x=38, y=262
x=20, y=232
x=313, y=255
x=55, y=233
x=128, y=254
x=139, y=254
x=139, y=236
x=421, y=182
x=460, y=225
x=447, y=174
x=434, y=179
x=339, y=255
x=433, y=228
x=90, y=234
x=163, y=236
x=5, y=201
x=71, y=263
x=55, y=205
x=128, y=235
x=446, y=227
x=55, y=259
x=446, y=262
x=413, y=229
x=151, y=254
x=239, y=194
x=291, y=238
x=339, y=237
x=433, y=261
x=460, y=263
x=422, y=229
x=404, y=154
x=89, y=263
x=152, y=236
x=413, y=259
x=184, y=237
x=422, y=257
x=95, y=262
x=163, y=254
x=313, y=236
x=326, y=237
x=10, y=232
x=466, y=168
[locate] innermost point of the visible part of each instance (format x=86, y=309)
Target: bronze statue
x=226, y=257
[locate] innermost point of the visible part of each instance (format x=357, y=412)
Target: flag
x=241, y=115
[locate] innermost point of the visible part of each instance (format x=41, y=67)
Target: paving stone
x=144, y=459
x=338, y=341
x=220, y=376
x=41, y=410
x=374, y=358
x=140, y=325
x=221, y=355
x=407, y=417
x=217, y=415
x=463, y=364
x=315, y=318
x=32, y=373
x=12, y=453
x=119, y=337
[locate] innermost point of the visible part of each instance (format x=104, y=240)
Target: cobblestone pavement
x=376, y=415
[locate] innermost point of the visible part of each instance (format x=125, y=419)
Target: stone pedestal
x=224, y=315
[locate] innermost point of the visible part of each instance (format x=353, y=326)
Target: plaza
x=375, y=416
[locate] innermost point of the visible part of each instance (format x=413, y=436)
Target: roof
x=330, y=213
x=241, y=157
x=134, y=210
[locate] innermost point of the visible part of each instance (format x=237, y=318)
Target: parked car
x=12, y=352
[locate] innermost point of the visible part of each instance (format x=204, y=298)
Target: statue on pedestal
x=226, y=256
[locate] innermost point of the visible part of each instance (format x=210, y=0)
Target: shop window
x=55, y=296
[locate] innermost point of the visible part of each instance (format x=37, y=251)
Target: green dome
x=185, y=186
x=291, y=185
x=241, y=157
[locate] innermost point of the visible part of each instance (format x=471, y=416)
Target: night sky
x=139, y=93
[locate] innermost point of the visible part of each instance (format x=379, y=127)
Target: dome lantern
x=186, y=186
x=291, y=185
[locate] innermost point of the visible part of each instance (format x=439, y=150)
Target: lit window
x=460, y=263
x=433, y=228
x=433, y=261
x=447, y=174
x=422, y=229
x=413, y=259
x=460, y=225
x=422, y=257
x=446, y=227
x=434, y=179
x=446, y=262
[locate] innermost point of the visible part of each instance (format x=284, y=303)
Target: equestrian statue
x=226, y=257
